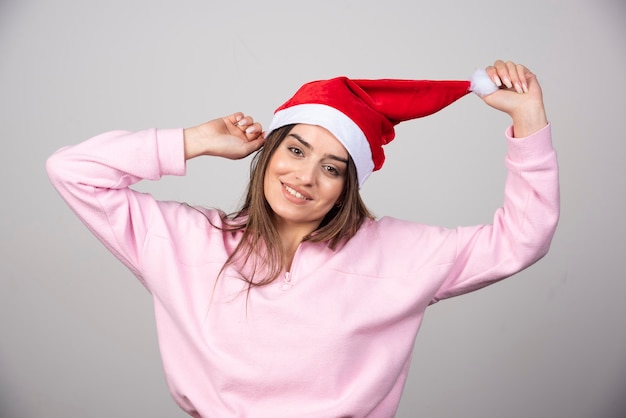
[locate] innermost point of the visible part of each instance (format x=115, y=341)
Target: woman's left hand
x=519, y=96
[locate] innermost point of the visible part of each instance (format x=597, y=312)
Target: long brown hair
x=260, y=248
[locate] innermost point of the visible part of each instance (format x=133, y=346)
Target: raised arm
x=94, y=177
x=523, y=227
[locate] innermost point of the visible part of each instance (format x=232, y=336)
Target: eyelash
x=295, y=150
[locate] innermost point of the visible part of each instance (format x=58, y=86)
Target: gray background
x=76, y=330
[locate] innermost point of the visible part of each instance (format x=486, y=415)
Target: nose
x=306, y=173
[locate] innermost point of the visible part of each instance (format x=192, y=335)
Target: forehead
x=320, y=139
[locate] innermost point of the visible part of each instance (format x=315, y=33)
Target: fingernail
x=518, y=88
x=507, y=82
x=238, y=118
x=250, y=129
x=496, y=80
x=525, y=87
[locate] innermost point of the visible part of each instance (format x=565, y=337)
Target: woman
x=301, y=304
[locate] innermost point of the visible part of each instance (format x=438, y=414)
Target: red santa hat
x=362, y=114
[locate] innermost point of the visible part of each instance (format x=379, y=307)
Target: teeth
x=295, y=193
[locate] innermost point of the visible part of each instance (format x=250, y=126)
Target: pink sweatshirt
x=334, y=336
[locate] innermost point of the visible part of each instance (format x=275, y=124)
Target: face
x=305, y=177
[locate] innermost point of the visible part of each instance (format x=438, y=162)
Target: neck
x=291, y=236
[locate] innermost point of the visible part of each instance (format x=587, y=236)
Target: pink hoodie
x=334, y=336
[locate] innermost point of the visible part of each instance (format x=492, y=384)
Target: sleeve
x=522, y=228
x=93, y=177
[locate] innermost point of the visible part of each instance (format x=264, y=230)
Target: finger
x=531, y=81
x=523, y=75
x=493, y=74
x=254, y=130
x=502, y=70
x=516, y=75
x=244, y=122
x=234, y=118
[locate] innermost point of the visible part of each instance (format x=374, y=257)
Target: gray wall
x=77, y=336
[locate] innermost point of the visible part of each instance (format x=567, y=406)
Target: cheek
x=268, y=175
x=276, y=165
x=333, y=190
x=267, y=181
x=282, y=165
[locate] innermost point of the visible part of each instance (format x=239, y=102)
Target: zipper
x=288, y=275
x=287, y=284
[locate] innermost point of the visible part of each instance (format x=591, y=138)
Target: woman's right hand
x=235, y=136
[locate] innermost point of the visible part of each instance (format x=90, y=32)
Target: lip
x=291, y=197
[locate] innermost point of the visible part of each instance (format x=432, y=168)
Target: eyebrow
x=309, y=146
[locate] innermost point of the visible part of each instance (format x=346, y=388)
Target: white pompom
x=481, y=84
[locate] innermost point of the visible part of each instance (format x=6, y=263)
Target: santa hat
x=362, y=114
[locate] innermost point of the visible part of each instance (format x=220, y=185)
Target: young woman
x=302, y=304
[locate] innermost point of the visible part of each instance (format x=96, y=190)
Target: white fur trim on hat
x=341, y=126
x=481, y=84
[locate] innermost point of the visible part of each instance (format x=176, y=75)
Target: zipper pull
x=286, y=285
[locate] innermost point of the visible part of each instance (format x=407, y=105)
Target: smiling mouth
x=295, y=193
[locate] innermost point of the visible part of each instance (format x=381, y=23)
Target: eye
x=332, y=170
x=295, y=150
